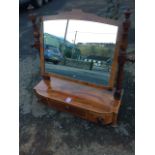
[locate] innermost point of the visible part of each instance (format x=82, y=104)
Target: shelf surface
x=78, y=95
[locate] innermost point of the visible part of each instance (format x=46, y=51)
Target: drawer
x=67, y=107
x=105, y=118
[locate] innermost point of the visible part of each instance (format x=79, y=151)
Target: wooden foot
x=114, y=122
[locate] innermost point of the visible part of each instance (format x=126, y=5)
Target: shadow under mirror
x=79, y=49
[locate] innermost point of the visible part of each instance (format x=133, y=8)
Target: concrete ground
x=45, y=131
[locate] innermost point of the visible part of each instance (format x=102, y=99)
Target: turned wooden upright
x=36, y=22
x=122, y=55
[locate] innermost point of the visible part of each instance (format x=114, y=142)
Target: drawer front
x=82, y=113
x=67, y=108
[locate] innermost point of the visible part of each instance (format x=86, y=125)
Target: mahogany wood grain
x=94, y=104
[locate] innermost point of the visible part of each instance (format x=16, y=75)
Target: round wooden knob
x=67, y=107
x=100, y=120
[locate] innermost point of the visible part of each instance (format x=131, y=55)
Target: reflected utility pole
x=65, y=36
x=66, y=30
x=74, y=43
x=75, y=37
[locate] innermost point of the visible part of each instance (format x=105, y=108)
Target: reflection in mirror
x=79, y=49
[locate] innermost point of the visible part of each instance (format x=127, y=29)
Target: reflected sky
x=87, y=31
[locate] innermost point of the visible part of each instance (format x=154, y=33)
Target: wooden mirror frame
x=79, y=15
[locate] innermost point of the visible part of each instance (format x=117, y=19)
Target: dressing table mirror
x=81, y=61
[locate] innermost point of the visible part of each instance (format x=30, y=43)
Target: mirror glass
x=79, y=49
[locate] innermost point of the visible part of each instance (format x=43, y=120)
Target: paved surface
x=97, y=77
x=44, y=131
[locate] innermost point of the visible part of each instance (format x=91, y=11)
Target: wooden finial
x=33, y=18
x=127, y=13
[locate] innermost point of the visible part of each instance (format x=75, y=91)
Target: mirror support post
x=122, y=55
x=37, y=28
